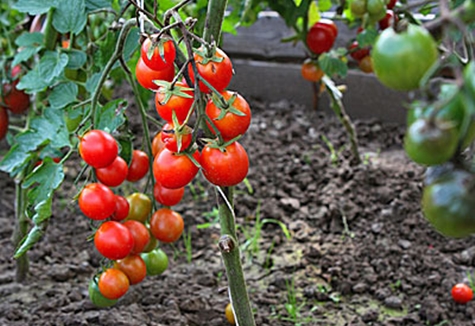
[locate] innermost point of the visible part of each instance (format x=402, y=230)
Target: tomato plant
x=175, y=170
x=166, y=225
x=113, y=240
x=321, y=36
x=311, y=72
x=113, y=283
x=176, y=138
x=122, y=208
x=462, y=293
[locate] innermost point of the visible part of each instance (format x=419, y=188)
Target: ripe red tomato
x=17, y=101
x=157, y=144
x=139, y=233
x=174, y=170
x=113, y=240
x=391, y=4
x=224, y=168
x=170, y=137
x=462, y=293
x=167, y=197
x=97, y=201
x=146, y=76
x=3, y=122
x=133, y=266
x=235, y=119
x=217, y=70
x=154, y=59
x=388, y=20
x=166, y=225
x=356, y=52
x=122, y=208
x=328, y=24
x=139, y=166
x=114, y=174
x=140, y=207
x=98, y=148
x=180, y=101
x=113, y=283
x=320, y=38
x=311, y=72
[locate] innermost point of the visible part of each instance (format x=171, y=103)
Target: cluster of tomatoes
x=11, y=99
x=123, y=237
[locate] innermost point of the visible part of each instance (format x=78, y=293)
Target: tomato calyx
x=179, y=131
x=226, y=106
x=157, y=42
x=219, y=144
x=170, y=89
x=207, y=54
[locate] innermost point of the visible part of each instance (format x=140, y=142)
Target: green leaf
x=63, y=94
x=35, y=234
x=77, y=59
x=332, y=66
x=131, y=43
x=51, y=65
x=70, y=16
x=324, y=5
x=92, y=82
x=111, y=116
x=30, y=39
x=33, y=82
x=25, y=55
x=92, y=5
x=51, y=126
x=367, y=37
x=43, y=211
x=313, y=14
x=34, y=7
x=15, y=160
x=45, y=179
x=126, y=148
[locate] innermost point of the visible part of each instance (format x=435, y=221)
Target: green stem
x=51, y=35
x=20, y=231
x=214, y=20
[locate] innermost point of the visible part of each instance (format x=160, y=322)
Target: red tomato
x=170, y=137
x=114, y=174
x=225, y=168
x=3, y=122
x=98, y=148
x=180, y=101
x=113, y=283
x=356, y=52
x=122, y=208
x=173, y=170
x=462, y=293
x=320, y=38
x=230, y=125
x=166, y=225
x=391, y=4
x=113, y=240
x=388, y=20
x=17, y=101
x=134, y=267
x=97, y=201
x=217, y=71
x=311, y=71
x=157, y=144
x=146, y=76
x=139, y=166
x=167, y=197
x=328, y=24
x=139, y=233
x=154, y=59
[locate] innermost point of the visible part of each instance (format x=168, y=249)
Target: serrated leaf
x=24, y=55
x=63, y=94
x=33, y=82
x=34, y=7
x=92, y=5
x=92, y=82
x=367, y=37
x=111, y=116
x=45, y=178
x=52, y=64
x=30, y=39
x=15, y=160
x=51, y=126
x=43, y=211
x=332, y=66
x=35, y=234
x=70, y=16
x=76, y=60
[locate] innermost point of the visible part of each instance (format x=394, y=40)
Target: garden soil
x=360, y=251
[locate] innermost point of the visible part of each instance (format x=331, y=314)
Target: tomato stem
x=21, y=229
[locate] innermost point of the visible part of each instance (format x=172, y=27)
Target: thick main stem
x=20, y=231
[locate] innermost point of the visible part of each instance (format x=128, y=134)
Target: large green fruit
x=400, y=60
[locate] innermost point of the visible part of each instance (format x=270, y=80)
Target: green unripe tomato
x=400, y=60
x=376, y=9
x=358, y=7
x=156, y=261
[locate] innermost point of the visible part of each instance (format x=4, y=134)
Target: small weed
x=188, y=248
x=334, y=155
x=395, y=286
x=197, y=190
x=212, y=217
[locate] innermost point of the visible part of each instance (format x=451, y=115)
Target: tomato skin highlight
x=98, y=148
x=145, y=76
x=227, y=168
x=462, y=293
x=166, y=225
x=3, y=122
x=97, y=201
x=167, y=197
x=139, y=166
x=174, y=170
x=114, y=174
x=113, y=240
x=156, y=62
x=217, y=74
x=113, y=283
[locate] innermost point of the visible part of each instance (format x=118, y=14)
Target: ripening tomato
x=153, y=55
x=140, y=207
x=216, y=70
x=140, y=234
x=166, y=225
x=388, y=20
x=320, y=37
x=231, y=118
x=366, y=65
x=96, y=296
x=157, y=144
x=122, y=208
x=174, y=170
x=181, y=101
x=139, y=166
x=230, y=314
x=311, y=72
x=97, y=201
x=113, y=240
x=224, y=167
x=133, y=267
x=114, y=174
x=356, y=52
x=98, y=148
x=167, y=197
x=15, y=100
x=113, y=283
x=3, y=122
x=462, y=293
x=145, y=76
x=174, y=140
x=156, y=261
